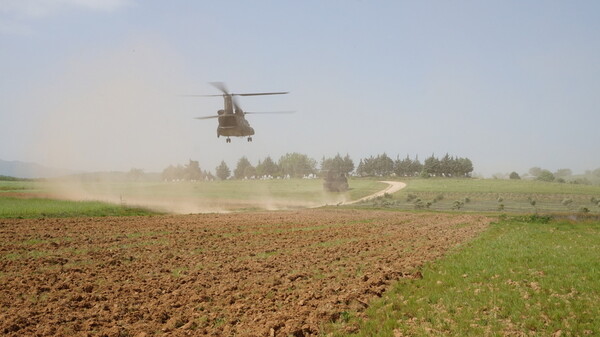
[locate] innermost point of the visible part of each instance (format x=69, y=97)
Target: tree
x=514, y=175
x=384, y=165
x=250, y=172
x=223, y=171
x=240, y=170
x=297, y=165
x=173, y=173
x=135, y=174
x=347, y=164
x=563, y=173
x=267, y=168
x=402, y=168
x=380, y=166
x=193, y=171
x=415, y=167
x=338, y=164
x=545, y=175
x=465, y=167
x=535, y=171
x=431, y=166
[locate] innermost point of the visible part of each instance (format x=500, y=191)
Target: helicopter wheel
x=249, y=139
x=228, y=140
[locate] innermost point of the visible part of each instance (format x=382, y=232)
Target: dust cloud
x=109, y=111
x=178, y=197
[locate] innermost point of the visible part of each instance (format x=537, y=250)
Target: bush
x=418, y=204
x=410, y=197
x=457, y=204
x=514, y=175
x=567, y=202
x=545, y=175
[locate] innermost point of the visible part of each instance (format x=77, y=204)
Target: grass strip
x=41, y=208
x=524, y=276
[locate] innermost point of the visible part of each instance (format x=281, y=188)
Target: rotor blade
x=235, y=104
x=220, y=86
x=208, y=117
x=268, y=112
x=263, y=93
x=201, y=95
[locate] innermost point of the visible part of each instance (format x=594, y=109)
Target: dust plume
x=111, y=111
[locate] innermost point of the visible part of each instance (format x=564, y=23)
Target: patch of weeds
x=333, y=243
x=345, y=316
x=458, y=204
x=266, y=254
x=318, y=274
x=31, y=242
x=177, y=272
x=145, y=234
x=220, y=321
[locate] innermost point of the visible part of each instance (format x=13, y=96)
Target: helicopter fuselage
x=234, y=126
x=232, y=120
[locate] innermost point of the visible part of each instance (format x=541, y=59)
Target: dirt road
x=394, y=186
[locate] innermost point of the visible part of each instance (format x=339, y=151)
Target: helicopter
x=232, y=119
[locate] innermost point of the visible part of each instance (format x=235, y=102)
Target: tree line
x=297, y=165
x=447, y=166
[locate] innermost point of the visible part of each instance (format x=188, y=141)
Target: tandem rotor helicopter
x=232, y=119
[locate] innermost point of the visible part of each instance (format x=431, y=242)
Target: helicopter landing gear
x=250, y=139
x=228, y=140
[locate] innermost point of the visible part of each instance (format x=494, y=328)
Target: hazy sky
x=95, y=85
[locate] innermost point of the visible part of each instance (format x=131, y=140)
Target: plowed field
x=245, y=274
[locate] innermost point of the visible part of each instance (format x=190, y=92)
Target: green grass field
x=522, y=277
x=39, y=207
x=493, y=195
x=26, y=199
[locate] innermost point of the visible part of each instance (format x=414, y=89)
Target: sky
x=97, y=85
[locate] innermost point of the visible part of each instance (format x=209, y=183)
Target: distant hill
x=19, y=169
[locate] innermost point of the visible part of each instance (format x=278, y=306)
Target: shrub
x=418, y=204
x=567, y=202
x=410, y=197
x=457, y=204
x=545, y=175
x=583, y=209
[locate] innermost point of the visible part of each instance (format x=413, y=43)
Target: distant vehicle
x=335, y=181
x=232, y=119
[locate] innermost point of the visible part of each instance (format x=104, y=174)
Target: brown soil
x=250, y=274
